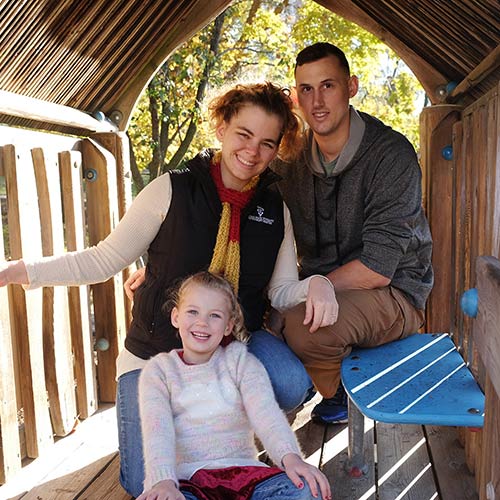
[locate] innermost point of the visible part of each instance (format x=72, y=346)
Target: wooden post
x=10, y=455
x=118, y=145
x=26, y=309
x=102, y=216
x=58, y=357
x=70, y=166
x=486, y=334
x=436, y=123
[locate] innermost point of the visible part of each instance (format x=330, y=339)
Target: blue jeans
x=278, y=487
x=290, y=381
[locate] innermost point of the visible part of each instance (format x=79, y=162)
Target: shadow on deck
x=405, y=462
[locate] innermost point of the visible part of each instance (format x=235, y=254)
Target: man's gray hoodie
x=368, y=208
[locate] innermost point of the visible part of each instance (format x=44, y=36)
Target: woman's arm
x=125, y=244
x=286, y=291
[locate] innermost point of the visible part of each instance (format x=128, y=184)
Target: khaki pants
x=367, y=318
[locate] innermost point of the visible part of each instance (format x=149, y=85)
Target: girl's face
x=203, y=320
x=249, y=142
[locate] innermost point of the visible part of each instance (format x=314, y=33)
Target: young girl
x=219, y=213
x=200, y=405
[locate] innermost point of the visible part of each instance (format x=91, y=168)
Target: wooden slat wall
x=47, y=358
x=464, y=213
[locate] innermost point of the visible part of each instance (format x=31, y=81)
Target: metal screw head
x=116, y=116
x=474, y=411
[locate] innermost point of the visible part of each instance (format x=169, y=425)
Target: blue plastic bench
x=421, y=379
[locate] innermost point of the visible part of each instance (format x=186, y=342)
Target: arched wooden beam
x=182, y=31
x=427, y=75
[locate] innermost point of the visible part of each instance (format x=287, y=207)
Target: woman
x=220, y=213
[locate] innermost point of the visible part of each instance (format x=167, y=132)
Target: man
x=355, y=201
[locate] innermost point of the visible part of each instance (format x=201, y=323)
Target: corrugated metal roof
x=99, y=54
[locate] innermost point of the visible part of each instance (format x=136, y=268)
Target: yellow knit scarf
x=226, y=256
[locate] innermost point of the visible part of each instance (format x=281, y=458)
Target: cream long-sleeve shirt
x=131, y=239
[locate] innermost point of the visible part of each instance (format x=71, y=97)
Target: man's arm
x=356, y=276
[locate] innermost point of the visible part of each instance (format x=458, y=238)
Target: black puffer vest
x=184, y=245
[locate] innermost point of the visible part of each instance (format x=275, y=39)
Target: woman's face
x=249, y=142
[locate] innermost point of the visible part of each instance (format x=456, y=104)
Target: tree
x=167, y=124
x=258, y=40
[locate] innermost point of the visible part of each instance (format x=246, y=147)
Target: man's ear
x=174, y=317
x=353, y=85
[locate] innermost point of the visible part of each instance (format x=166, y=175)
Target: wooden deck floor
x=406, y=462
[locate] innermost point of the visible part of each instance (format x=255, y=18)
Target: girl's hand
x=13, y=272
x=134, y=281
x=297, y=470
x=322, y=308
x=164, y=490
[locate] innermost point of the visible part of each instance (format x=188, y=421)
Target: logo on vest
x=260, y=217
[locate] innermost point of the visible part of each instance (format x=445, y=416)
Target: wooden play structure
x=70, y=74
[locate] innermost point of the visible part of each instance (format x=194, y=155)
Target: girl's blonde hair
x=216, y=282
x=270, y=98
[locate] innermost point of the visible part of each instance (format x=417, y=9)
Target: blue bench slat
x=418, y=380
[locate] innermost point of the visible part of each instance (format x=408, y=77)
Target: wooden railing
x=461, y=166
x=62, y=194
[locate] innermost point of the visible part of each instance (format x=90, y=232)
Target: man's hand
x=13, y=272
x=164, y=490
x=322, y=308
x=134, y=281
x=297, y=470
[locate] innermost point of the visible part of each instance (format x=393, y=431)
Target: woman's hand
x=298, y=470
x=164, y=490
x=134, y=281
x=13, y=272
x=322, y=308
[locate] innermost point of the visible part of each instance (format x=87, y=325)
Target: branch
x=200, y=93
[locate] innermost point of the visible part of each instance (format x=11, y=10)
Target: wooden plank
x=452, y=474
x=107, y=487
x=489, y=476
x=489, y=64
x=36, y=109
x=119, y=146
x=55, y=315
x=10, y=449
x=440, y=210
x=72, y=463
x=69, y=486
x=486, y=334
x=404, y=466
x=309, y=435
x=102, y=217
x=334, y=463
x=26, y=309
x=487, y=330
x=457, y=225
x=70, y=166
x=37, y=139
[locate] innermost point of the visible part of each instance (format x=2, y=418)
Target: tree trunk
x=200, y=93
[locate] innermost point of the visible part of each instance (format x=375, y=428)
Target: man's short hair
x=320, y=50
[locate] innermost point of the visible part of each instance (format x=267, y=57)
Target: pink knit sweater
x=204, y=416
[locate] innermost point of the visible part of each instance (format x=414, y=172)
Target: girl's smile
x=203, y=319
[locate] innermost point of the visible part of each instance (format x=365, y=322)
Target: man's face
x=323, y=90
